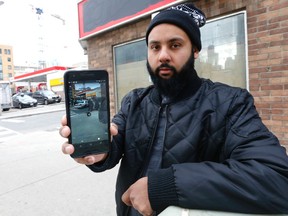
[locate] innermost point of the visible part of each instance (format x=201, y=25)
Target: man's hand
x=137, y=196
x=69, y=149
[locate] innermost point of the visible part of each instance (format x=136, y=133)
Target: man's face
x=168, y=45
x=170, y=59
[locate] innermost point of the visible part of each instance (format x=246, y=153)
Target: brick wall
x=267, y=54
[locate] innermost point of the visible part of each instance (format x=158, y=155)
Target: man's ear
x=196, y=53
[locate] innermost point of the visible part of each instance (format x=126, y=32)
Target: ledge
x=176, y=211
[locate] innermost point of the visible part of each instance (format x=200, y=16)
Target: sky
x=41, y=37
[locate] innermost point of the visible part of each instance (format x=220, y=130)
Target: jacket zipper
x=150, y=147
x=147, y=156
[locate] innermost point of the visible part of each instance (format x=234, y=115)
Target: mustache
x=165, y=65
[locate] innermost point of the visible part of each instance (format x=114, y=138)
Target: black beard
x=173, y=86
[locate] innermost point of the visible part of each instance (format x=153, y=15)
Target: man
x=187, y=141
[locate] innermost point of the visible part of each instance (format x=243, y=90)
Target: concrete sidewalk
x=37, y=179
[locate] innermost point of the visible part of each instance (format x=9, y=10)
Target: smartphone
x=88, y=111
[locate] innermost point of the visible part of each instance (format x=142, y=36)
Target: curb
x=17, y=114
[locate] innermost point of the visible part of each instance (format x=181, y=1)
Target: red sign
x=96, y=16
x=38, y=73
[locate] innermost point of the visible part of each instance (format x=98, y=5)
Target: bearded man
x=187, y=141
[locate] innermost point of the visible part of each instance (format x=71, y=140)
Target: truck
x=5, y=96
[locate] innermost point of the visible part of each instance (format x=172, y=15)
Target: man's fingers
x=126, y=198
x=67, y=148
x=64, y=131
x=113, y=129
x=64, y=120
x=91, y=159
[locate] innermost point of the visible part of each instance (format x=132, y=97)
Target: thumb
x=113, y=129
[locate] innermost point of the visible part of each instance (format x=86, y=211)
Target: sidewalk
x=15, y=112
x=38, y=179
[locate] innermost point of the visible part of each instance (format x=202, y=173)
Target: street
x=45, y=122
x=37, y=179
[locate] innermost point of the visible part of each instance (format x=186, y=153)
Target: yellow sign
x=56, y=82
x=90, y=94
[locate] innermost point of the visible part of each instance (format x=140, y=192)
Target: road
x=37, y=179
x=27, y=124
x=22, y=124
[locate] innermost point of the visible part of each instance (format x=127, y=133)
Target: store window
x=130, y=67
x=222, y=58
x=223, y=54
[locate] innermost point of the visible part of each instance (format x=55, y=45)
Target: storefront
x=40, y=79
x=243, y=44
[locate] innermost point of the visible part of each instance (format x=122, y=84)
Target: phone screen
x=87, y=105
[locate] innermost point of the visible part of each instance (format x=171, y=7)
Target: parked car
x=28, y=93
x=80, y=104
x=46, y=97
x=21, y=100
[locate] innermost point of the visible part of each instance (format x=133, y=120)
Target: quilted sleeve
x=252, y=177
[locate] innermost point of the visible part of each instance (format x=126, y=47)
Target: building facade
x=244, y=44
x=6, y=62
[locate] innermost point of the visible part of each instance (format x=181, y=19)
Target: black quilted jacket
x=217, y=153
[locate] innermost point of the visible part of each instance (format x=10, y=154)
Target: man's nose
x=164, y=56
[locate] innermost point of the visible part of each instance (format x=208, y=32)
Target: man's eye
x=176, y=46
x=154, y=47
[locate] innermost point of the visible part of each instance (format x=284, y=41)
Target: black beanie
x=185, y=16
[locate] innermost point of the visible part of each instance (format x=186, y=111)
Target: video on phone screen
x=88, y=111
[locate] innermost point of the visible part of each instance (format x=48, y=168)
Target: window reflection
x=223, y=57
x=130, y=68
